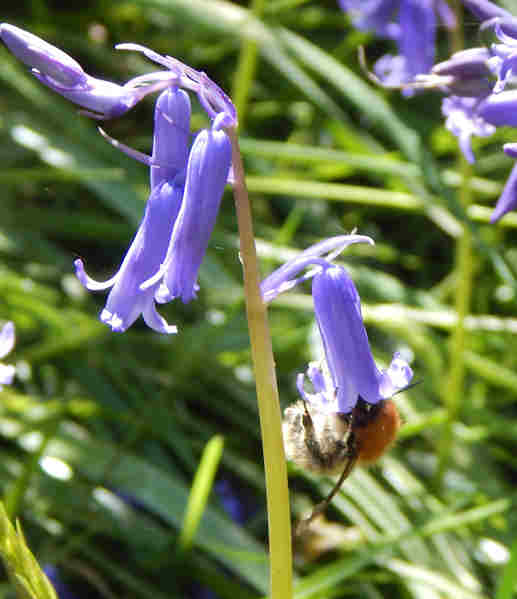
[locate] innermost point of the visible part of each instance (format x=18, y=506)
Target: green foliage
x=26, y=576
x=102, y=435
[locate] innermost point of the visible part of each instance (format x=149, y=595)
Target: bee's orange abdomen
x=376, y=437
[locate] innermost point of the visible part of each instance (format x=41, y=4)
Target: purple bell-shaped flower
x=127, y=300
x=207, y=173
x=60, y=72
x=348, y=372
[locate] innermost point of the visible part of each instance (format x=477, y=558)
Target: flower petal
x=500, y=109
x=338, y=313
x=396, y=377
x=88, y=282
x=282, y=279
x=59, y=71
x=508, y=198
x=127, y=300
x=207, y=171
x=171, y=135
x=417, y=35
x=7, y=339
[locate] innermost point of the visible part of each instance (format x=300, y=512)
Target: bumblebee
x=327, y=442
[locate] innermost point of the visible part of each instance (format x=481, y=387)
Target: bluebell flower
x=60, y=72
x=499, y=109
x=348, y=371
x=187, y=187
x=6, y=345
x=236, y=502
x=411, y=24
x=187, y=183
x=463, y=120
x=207, y=173
x=127, y=300
x=373, y=15
x=62, y=589
x=466, y=73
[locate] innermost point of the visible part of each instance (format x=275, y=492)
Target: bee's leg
x=310, y=440
x=318, y=509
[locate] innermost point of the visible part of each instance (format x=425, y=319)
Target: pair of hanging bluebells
x=187, y=180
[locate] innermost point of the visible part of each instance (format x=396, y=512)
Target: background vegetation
x=102, y=433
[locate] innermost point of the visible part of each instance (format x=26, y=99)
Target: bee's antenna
x=410, y=386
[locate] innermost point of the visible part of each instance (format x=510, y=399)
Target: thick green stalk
x=453, y=390
x=279, y=519
x=246, y=66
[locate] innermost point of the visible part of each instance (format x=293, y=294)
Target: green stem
x=246, y=67
x=279, y=519
x=454, y=387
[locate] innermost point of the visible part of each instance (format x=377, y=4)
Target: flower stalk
x=279, y=519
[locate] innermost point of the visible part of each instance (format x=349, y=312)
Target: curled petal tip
x=87, y=281
x=156, y=322
x=396, y=377
x=113, y=321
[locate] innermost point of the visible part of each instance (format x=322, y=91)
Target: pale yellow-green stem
x=279, y=519
x=246, y=67
x=453, y=390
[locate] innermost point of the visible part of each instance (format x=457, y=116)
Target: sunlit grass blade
x=200, y=491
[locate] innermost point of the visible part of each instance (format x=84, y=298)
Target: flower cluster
x=187, y=180
x=480, y=99
x=348, y=372
x=411, y=24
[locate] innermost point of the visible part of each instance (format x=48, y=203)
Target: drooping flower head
x=478, y=81
x=7, y=339
x=187, y=184
x=187, y=181
x=60, y=72
x=411, y=24
x=127, y=300
x=207, y=173
x=348, y=372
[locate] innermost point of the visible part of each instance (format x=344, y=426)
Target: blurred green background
x=102, y=433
